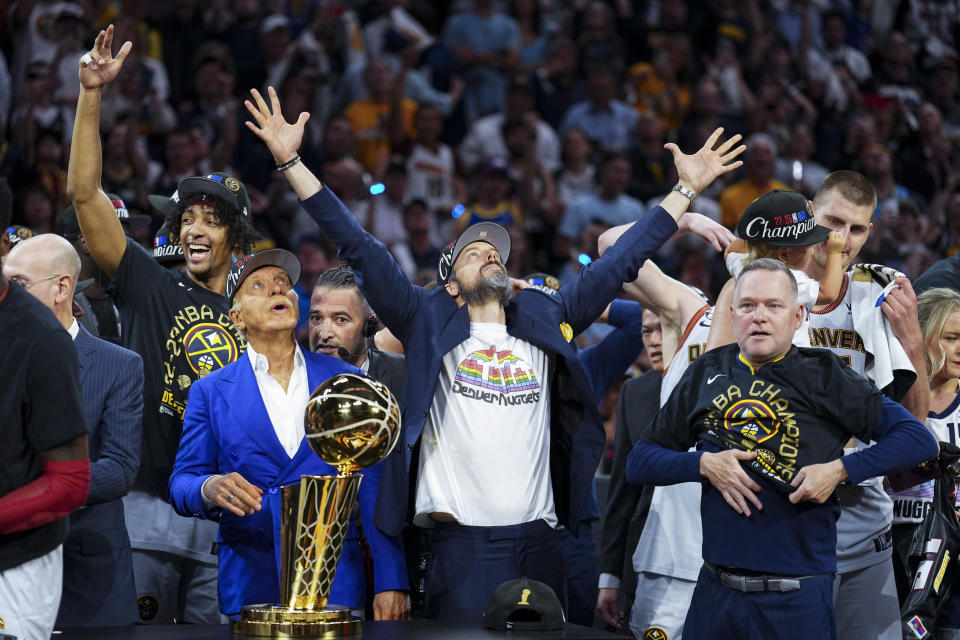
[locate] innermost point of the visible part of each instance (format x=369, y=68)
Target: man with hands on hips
x=771, y=421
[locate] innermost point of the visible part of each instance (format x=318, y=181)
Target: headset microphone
x=344, y=354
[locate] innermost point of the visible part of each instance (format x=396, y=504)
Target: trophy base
x=272, y=621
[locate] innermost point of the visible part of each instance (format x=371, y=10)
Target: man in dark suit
x=511, y=433
x=98, y=588
x=627, y=504
x=343, y=325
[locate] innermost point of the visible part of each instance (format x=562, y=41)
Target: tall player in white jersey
x=884, y=347
x=668, y=555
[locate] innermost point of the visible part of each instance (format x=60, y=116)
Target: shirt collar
x=751, y=368
x=74, y=329
x=259, y=361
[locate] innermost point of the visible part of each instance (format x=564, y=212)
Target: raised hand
x=98, y=66
x=282, y=138
x=697, y=171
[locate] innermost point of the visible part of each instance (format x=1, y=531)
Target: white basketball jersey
x=693, y=342
x=672, y=539
x=430, y=176
x=911, y=505
x=832, y=328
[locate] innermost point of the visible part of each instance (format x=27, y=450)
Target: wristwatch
x=684, y=191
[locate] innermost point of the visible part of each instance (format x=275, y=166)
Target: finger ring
x=86, y=58
x=230, y=498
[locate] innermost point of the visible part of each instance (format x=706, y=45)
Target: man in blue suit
x=98, y=585
x=243, y=438
x=501, y=430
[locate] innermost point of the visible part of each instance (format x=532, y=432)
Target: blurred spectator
x=180, y=161
x=876, y=163
x=825, y=65
x=759, y=161
x=126, y=168
x=664, y=84
x=311, y=250
x=704, y=114
x=797, y=167
x=275, y=39
x=385, y=216
x=737, y=102
x=491, y=197
x=37, y=210
x=418, y=253
x=485, y=138
x=577, y=173
x=605, y=119
x=942, y=92
x=36, y=28
x=485, y=43
x=213, y=104
x=535, y=191
x=653, y=170
x=431, y=168
x=896, y=76
x=302, y=86
x=582, y=253
x=182, y=34
x=242, y=37
x=143, y=94
x=37, y=112
x=926, y=156
x=535, y=31
x=558, y=84
x=375, y=31
x=72, y=26
x=383, y=120
x=608, y=205
x=597, y=40
x=339, y=140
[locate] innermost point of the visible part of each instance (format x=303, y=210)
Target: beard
x=495, y=287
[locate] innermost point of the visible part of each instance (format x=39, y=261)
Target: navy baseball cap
x=219, y=184
x=489, y=232
x=781, y=218
x=268, y=258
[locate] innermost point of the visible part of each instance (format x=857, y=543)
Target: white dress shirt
x=284, y=408
x=74, y=329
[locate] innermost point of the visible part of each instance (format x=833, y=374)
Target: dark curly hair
x=241, y=234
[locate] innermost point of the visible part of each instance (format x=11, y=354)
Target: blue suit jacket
x=226, y=428
x=429, y=324
x=98, y=588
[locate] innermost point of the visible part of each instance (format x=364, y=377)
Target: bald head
x=47, y=266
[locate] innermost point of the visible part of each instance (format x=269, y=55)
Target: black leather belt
x=755, y=583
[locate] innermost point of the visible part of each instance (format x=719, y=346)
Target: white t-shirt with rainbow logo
x=485, y=448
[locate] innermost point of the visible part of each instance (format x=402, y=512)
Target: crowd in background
x=548, y=116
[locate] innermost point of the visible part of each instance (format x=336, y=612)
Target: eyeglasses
x=23, y=284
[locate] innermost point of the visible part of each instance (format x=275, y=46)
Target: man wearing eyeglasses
x=98, y=588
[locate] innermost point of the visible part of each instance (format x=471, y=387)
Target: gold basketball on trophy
x=352, y=421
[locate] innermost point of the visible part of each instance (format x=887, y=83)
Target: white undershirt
x=485, y=449
x=74, y=329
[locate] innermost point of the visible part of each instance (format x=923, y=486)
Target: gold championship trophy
x=351, y=422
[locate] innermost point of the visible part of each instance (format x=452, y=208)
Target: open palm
x=99, y=67
x=282, y=138
x=700, y=169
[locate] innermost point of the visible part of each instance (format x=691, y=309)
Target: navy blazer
x=226, y=428
x=429, y=324
x=98, y=587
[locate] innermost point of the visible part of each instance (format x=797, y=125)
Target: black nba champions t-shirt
x=183, y=332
